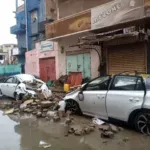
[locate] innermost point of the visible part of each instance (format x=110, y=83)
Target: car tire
x=1, y=94
x=73, y=106
x=142, y=122
x=17, y=97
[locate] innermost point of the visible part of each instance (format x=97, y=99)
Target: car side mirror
x=81, y=96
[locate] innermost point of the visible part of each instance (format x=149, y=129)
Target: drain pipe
x=26, y=15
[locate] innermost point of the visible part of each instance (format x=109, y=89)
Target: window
x=15, y=81
x=10, y=80
x=98, y=84
x=127, y=83
x=34, y=16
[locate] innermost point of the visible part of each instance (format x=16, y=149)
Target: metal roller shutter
x=129, y=57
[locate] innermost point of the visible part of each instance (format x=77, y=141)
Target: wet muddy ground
x=24, y=132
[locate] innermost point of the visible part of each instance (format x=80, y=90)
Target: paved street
x=25, y=132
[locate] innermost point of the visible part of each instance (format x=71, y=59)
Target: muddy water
x=25, y=132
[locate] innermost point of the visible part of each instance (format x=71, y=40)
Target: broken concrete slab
x=113, y=128
x=39, y=114
x=27, y=102
x=104, y=127
x=10, y=111
x=107, y=134
x=46, y=104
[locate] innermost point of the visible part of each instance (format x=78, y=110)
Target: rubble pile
x=78, y=131
x=109, y=130
x=38, y=107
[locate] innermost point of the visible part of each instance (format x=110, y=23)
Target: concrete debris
x=113, y=128
x=120, y=129
x=46, y=104
x=109, y=130
x=44, y=144
x=104, y=127
x=27, y=102
x=23, y=107
x=126, y=139
x=51, y=114
x=28, y=110
x=39, y=114
x=107, y=134
x=56, y=118
x=8, y=112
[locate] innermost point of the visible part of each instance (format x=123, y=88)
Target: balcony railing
x=19, y=28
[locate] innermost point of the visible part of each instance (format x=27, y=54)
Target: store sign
x=47, y=46
x=15, y=51
x=115, y=12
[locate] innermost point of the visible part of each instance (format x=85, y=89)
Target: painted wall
x=32, y=62
x=8, y=70
x=33, y=56
x=21, y=17
x=61, y=57
x=21, y=38
x=32, y=27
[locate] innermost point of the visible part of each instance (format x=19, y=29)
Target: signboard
x=47, y=46
x=15, y=51
x=115, y=12
x=69, y=25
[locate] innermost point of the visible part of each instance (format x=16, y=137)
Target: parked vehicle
x=9, y=86
x=121, y=97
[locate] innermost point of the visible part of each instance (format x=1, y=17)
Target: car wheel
x=1, y=94
x=73, y=106
x=17, y=97
x=142, y=122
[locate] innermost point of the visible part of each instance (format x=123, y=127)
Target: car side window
x=98, y=84
x=10, y=80
x=15, y=81
x=127, y=83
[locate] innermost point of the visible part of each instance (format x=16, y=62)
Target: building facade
x=30, y=21
x=101, y=37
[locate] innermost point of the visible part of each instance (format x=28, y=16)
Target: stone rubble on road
x=45, y=109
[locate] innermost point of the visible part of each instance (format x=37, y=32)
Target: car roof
x=25, y=77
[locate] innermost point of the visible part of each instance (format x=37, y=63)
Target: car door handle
x=99, y=96
x=134, y=99
x=131, y=99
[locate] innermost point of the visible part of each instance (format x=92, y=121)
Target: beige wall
x=61, y=57
x=70, y=7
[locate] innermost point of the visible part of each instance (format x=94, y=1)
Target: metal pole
x=16, y=6
x=26, y=17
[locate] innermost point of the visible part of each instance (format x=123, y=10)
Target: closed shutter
x=126, y=58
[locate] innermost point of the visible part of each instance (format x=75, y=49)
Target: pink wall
x=33, y=57
x=32, y=62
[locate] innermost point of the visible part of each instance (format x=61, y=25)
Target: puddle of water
x=25, y=133
x=8, y=138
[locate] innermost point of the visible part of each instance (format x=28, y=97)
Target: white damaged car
x=11, y=86
x=124, y=98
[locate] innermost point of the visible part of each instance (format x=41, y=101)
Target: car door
x=94, y=97
x=6, y=86
x=126, y=94
x=9, y=87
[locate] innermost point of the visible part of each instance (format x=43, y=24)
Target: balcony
x=17, y=29
x=69, y=25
